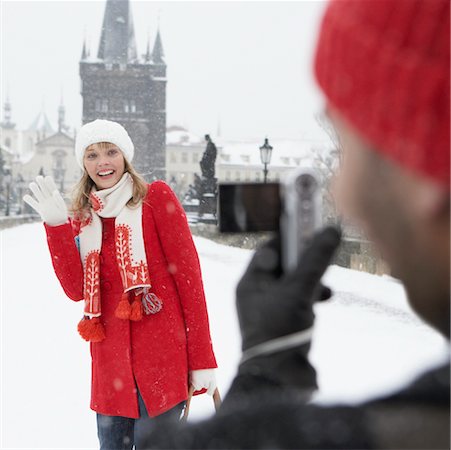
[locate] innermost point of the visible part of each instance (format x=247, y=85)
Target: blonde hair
x=81, y=203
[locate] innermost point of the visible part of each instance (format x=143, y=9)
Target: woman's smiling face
x=104, y=163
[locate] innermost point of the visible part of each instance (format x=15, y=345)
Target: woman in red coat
x=128, y=253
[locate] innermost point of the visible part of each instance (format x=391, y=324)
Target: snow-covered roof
x=285, y=153
x=41, y=123
x=177, y=135
x=58, y=138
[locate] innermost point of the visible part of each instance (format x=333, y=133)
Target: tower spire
x=7, y=110
x=158, y=53
x=148, y=55
x=84, y=52
x=117, y=41
x=61, y=114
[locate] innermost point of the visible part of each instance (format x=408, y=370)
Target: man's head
x=384, y=67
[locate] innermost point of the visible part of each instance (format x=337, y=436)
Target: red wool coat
x=158, y=351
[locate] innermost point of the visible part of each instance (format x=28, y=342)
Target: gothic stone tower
x=118, y=85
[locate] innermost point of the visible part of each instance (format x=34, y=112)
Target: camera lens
x=305, y=184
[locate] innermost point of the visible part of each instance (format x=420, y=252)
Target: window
x=245, y=158
x=195, y=157
x=257, y=176
x=129, y=106
x=8, y=142
x=184, y=157
x=228, y=175
x=172, y=157
x=238, y=176
x=285, y=159
x=225, y=158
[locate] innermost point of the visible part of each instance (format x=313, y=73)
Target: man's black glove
x=275, y=313
x=271, y=304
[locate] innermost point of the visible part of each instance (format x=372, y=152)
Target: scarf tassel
x=127, y=311
x=136, y=309
x=123, y=310
x=91, y=329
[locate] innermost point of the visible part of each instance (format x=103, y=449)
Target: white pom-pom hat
x=103, y=131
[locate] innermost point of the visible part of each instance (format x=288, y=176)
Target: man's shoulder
x=414, y=417
x=432, y=386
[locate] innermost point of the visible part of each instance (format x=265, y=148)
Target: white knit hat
x=103, y=131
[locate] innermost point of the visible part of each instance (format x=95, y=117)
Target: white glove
x=203, y=379
x=48, y=202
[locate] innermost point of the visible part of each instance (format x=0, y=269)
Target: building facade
x=119, y=85
x=54, y=156
x=237, y=161
x=39, y=149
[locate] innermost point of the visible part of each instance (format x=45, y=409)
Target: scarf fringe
x=123, y=309
x=91, y=330
x=151, y=303
x=127, y=311
x=136, y=309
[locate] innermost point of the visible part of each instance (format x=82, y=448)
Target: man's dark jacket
x=259, y=412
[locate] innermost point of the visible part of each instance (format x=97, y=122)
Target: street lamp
x=265, y=155
x=8, y=179
x=20, y=183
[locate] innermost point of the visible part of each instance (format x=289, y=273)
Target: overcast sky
x=246, y=65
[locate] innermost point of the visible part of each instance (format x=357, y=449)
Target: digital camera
x=293, y=207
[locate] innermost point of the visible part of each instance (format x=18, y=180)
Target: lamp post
x=7, y=178
x=265, y=155
x=20, y=183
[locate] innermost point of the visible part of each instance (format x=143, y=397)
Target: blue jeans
x=122, y=433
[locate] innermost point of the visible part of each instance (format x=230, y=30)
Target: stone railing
x=13, y=221
x=354, y=253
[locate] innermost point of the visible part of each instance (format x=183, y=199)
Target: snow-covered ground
x=367, y=341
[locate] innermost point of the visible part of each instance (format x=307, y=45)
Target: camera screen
x=249, y=207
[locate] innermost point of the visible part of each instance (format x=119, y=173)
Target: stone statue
x=207, y=163
x=204, y=188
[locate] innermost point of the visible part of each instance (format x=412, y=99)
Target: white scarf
x=130, y=253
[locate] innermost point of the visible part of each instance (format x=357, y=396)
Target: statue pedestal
x=208, y=199
x=207, y=208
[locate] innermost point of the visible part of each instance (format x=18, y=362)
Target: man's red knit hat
x=385, y=66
